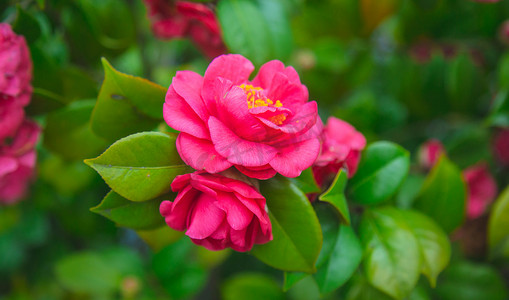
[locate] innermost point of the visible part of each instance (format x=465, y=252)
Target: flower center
x=256, y=98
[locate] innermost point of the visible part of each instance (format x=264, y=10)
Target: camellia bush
x=254, y=149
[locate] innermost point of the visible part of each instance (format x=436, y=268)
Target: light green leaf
x=295, y=227
x=251, y=286
x=135, y=215
x=443, y=195
x=382, y=169
x=141, y=166
x=392, y=256
x=498, y=226
x=335, y=195
x=126, y=105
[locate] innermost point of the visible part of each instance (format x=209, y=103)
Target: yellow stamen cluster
x=254, y=99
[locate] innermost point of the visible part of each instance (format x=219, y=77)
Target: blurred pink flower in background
x=18, y=136
x=341, y=148
x=218, y=212
x=261, y=127
x=429, y=153
x=501, y=146
x=17, y=162
x=180, y=19
x=482, y=189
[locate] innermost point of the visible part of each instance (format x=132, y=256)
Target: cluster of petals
x=341, y=148
x=218, y=211
x=260, y=127
x=18, y=136
x=180, y=19
x=482, y=189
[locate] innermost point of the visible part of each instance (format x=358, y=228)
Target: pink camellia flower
x=482, y=189
x=342, y=146
x=179, y=19
x=17, y=162
x=11, y=117
x=429, y=153
x=15, y=67
x=218, y=212
x=261, y=127
x=501, y=147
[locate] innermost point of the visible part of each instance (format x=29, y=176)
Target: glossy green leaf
x=126, y=105
x=362, y=290
x=342, y=263
x=471, y=281
x=251, y=286
x=382, y=169
x=409, y=191
x=306, y=182
x=295, y=227
x=498, y=226
x=87, y=272
x=392, y=261
x=68, y=132
x=335, y=195
x=433, y=243
x=245, y=30
x=141, y=166
x=135, y=215
x=443, y=195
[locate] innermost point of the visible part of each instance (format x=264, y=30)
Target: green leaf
x=498, y=226
x=471, y=281
x=295, y=227
x=26, y=25
x=362, y=290
x=126, y=105
x=135, y=215
x=68, y=132
x=392, y=256
x=335, y=195
x=306, y=182
x=251, y=286
x=409, y=191
x=382, y=169
x=280, y=31
x=245, y=30
x=443, y=195
x=433, y=243
x=342, y=263
x=141, y=166
x=87, y=272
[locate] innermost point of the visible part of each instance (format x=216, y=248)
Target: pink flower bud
x=218, y=212
x=482, y=189
x=429, y=153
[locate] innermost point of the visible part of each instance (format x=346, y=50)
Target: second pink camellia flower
x=218, y=212
x=261, y=127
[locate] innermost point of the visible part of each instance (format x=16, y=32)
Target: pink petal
x=188, y=85
x=7, y=165
x=205, y=217
x=200, y=154
x=237, y=150
x=238, y=215
x=179, y=116
x=262, y=174
x=293, y=159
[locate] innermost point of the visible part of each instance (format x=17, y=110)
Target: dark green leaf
x=26, y=25
x=335, y=195
x=251, y=286
x=382, y=169
x=295, y=227
x=245, y=30
x=498, y=228
x=471, y=281
x=135, y=215
x=159, y=238
x=126, y=105
x=68, y=132
x=392, y=256
x=342, y=263
x=306, y=182
x=443, y=195
x=409, y=190
x=141, y=166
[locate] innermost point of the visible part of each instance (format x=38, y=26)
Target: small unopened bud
x=130, y=287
